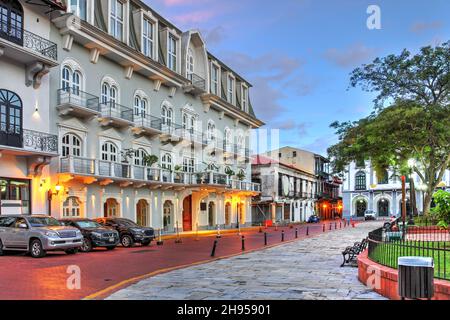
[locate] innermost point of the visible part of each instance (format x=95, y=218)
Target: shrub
x=442, y=208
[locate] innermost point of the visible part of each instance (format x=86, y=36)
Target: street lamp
x=412, y=195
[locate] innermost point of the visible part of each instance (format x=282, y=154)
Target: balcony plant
x=241, y=175
x=149, y=160
x=177, y=173
x=229, y=172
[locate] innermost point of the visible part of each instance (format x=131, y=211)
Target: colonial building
x=287, y=193
x=364, y=189
x=326, y=195
x=26, y=143
x=329, y=191
x=149, y=125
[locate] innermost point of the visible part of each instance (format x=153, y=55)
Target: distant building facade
x=287, y=193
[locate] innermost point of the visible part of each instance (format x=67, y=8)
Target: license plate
x=111, y=239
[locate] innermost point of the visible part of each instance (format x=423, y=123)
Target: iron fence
x=386, y=245
x=71, y=95
x=39, y=141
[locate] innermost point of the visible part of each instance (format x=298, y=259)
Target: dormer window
x=78, y=8
x=190, y=64
x=244, y=98
x=230, y=89
x=214, y=79
x=172, y=53
x=148, y=38
x=116, y=19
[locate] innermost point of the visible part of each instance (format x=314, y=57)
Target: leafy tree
x=415, y=124
x=442, y=208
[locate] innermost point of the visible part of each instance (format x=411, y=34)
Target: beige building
x=301, y=159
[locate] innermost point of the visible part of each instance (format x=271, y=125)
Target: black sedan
x=313, y=219
x=94, y=234
x=129, y=231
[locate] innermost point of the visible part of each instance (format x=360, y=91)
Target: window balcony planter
x=72, y=101
x=114, y=114
x=147, y=125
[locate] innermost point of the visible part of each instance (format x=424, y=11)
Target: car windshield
x=126, y=223
x=43, y=221
x=87, y=224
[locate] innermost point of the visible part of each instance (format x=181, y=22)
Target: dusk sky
x=298, y=53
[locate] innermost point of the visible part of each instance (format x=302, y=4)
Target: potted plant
x=229, y=172
x=149, y=160
x=241, y=175
x=177, y=173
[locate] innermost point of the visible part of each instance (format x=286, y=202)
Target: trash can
x=415, y=277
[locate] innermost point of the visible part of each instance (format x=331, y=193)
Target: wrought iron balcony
x=198, y=84
x=28, y=40
x=191, y=135
x=76, y=102
x=145, y=123
x=39, y=141
x=116, y=114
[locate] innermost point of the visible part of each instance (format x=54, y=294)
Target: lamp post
x=412, y=192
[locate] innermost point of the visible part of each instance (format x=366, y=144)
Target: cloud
x=195, y=17
x=321, y=144
x=420, y=27
x=265, y=99
x=350, y=56
x=214, y=35
x=299, y=128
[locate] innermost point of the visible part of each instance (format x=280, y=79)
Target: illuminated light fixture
x=58, y=188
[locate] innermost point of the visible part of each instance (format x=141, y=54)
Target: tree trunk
x=427, y=202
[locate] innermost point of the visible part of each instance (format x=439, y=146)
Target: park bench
x=350, y=253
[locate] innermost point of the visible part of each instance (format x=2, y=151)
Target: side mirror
x=23, y=226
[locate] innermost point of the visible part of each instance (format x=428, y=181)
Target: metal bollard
x=159, y=242
x=340, y=225
x=243, y=243
x=178, y=240
x=265, y=238
x=213, y=252
x=330, y=226
x=335, y=226
x=296, y=233
x=218, y=236
x=324, y=227
x=282, y=235
x=307, y=230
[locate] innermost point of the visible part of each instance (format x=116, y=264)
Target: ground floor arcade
x=162, y=207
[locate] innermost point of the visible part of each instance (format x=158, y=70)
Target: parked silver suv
x=37, y=234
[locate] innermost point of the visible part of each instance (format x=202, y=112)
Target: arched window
x=109, y=152
x=11, y=21
x=71, y=207
x=139, y=156
x=383, y=178
x=188, y=122
x=71, y=145
x=166, y=115
x=240, y=144
x=10, y=119
x=71, y=80
x=360, y=181
x=190, y=64
x=168, y=215
x=228, y=138
x=211, y=130
x=111, y=208
x=109, y=94
x=140, y=106
x=166, y=161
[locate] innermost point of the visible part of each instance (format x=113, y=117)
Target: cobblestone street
x=306, y=269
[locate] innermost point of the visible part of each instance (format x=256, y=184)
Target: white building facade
x=26, y=142
x=362, y=191
x=131, y=87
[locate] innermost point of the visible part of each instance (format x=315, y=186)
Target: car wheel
x=110, y=248
x=127, y=241
x=146, y=243
x=1, y=249
x=36, y=249
x=72, y=251
x=87, y=245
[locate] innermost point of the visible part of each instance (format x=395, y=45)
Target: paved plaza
x=307, y=269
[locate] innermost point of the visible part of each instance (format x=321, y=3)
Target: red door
x=187, y=214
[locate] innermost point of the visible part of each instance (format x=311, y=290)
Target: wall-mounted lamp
x=52, y=193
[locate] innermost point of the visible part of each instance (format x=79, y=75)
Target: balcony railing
x=191, y=135
x=28, y=40
x=148, y=121
x=112, y=109
x=197, y=81
x=171, y=128
x=77, y=97
x=39, y=141
x=108, y=169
